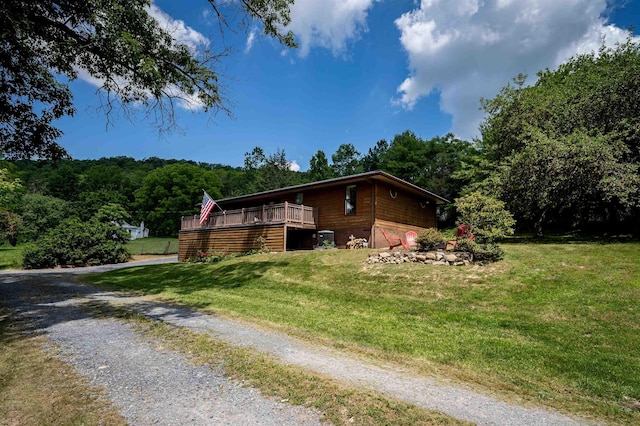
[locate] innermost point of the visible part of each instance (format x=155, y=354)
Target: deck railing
x=267, y=214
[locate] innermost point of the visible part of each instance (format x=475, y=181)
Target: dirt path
x=60, y=315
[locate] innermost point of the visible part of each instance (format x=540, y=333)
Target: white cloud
x=182, y=34
x=330, y=24
x=465, y=50
x=294, y=166
x=250, y=39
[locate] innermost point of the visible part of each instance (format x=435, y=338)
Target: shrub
x=487, y=253
x=77, y=243
x=429, y=239
x=486, y=216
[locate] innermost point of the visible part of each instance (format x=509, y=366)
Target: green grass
x=153, y=245
x=557, y=324
x=11, y=257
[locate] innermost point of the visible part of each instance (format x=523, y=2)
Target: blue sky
x=366, y=70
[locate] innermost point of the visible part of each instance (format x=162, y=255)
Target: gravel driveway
x=155, y=386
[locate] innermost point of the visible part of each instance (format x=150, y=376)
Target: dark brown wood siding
x=232, y=240
x=398, y=212
x=405, y=208
x=331, y=211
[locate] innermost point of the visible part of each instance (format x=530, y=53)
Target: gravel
x=150, y=384
x=147, y=383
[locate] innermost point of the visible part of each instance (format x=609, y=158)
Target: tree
x=431, y=164
x=41, y=213
x=171, y=192
x=319, y=168
x=264, y=173
x=87, y=204
x=565, y=152
x=10, y=226
x=116, y=42
x=346, y=160
x=488, y=221
x=374, y=158
x=10, y=189
x=63, y=183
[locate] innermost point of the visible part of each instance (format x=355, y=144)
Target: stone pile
x=430, y=257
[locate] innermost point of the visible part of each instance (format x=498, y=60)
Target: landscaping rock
x=450, y=257
x=437, y=258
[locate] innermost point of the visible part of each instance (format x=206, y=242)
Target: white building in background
x=136, y=231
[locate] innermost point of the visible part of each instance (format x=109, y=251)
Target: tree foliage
x=374, y=159
x=41, y=213
x=319, y=168
x=117, y=42
x=346, y=160
x=171, y=192
x=565, y=151
x=431, y=164
x=265, y=173
x=487, y=218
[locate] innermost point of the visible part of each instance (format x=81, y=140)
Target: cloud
x=182, y=34
x=294, y=166
x=250, y=39
x=330, y=24
x=468, y=49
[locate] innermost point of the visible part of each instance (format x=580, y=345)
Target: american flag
x=207, y=205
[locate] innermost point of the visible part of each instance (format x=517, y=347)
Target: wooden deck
x=293, y=215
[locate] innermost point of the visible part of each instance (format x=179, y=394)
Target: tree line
x=41, y=194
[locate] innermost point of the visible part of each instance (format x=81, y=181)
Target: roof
x=368, y=176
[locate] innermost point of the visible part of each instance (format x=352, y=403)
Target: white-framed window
x=350, y=200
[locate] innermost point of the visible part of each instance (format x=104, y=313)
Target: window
x=299, y=198
x=350, y=200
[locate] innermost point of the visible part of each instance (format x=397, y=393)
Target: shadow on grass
x=187, y=278
x=570, y=238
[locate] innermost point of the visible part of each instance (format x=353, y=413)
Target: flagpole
x=214, y=201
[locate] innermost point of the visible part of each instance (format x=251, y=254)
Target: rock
x=431, y=256
x=458, y=263
x=450, y=257
x=384, y=255
x=439, y=263
x=420, y=257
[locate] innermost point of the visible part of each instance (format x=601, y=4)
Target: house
x=294, y=218
x=135, y=231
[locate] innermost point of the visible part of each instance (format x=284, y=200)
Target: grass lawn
x=11, y=257
x=153, y=245
x=557, y=324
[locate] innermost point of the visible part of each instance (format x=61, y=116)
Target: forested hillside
x=159, y=191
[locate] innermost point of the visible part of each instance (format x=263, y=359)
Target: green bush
x=429, y=239
x=77, y=243
x=487, y=253
x=486, y=216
